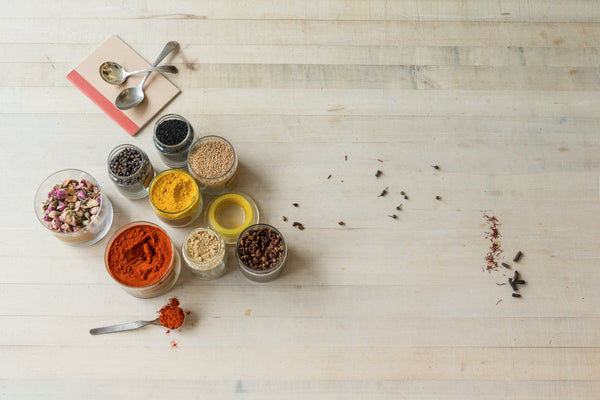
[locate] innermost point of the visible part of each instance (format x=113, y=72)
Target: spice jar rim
x=92, y=221
x=177, y=171
x=122, y=229
x=189, y=260
x=203, y=139
x=190, y=132
x=112, y=154
x=262, y=271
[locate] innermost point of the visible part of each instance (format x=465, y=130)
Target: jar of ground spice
x=130, y=170
x=204, y=252
x=173, y=136
x=175, y=197
x=261, y=252
x=212, y=161
x=142, y=259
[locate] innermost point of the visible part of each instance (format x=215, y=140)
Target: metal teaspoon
x=127, y=326
x=115, y=74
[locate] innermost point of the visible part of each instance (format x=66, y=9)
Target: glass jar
x=173, y=153
x=261, y=275
x=168, y=185
x=95, y=230
x=161, y=284
x=213, y=179
x=209, y=269
x=134, y=186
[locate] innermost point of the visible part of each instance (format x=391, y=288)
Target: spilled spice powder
x=495, y=250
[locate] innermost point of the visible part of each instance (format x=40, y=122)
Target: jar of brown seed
x=212, y=161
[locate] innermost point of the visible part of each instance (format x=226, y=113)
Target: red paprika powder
x=140, y=256
x=171, y=316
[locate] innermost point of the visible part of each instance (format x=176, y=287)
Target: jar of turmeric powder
x=175, y=197
x=141, y=258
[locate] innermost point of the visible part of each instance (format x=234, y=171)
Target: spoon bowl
x=114, y=73
x=130, y=97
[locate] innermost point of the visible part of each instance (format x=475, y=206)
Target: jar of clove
x=130, y=170
x=173, y=136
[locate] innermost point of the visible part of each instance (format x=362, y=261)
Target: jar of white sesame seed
x=213, y=163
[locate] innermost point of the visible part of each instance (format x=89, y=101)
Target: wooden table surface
x=502, y=95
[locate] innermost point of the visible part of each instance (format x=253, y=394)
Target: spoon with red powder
x=170, y=316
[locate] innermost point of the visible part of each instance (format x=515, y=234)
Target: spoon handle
x=169, y=47
x=171, y=69
x=120, y=327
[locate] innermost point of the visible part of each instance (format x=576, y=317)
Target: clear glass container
x=177, y=218
x=174, y=155
x=134, y=186
x=91, y=233
x=210, y=269
x=215, y=185
x=164, y=283
x=231, y=213
x=258, y=275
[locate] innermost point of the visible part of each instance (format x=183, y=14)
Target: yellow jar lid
x=231, y=213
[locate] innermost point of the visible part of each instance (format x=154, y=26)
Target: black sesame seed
x=171, y=132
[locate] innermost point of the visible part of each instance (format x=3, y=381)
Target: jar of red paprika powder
x=142, y=259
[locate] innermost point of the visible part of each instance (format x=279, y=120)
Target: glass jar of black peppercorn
x=173, y=136
x=131, y=171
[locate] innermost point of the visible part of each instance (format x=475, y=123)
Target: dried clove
x=284, y=218
x=399, y=207
x=394, y=216
x=518, y=256
x=438, y=197
x=383, y=192
x=378, y=173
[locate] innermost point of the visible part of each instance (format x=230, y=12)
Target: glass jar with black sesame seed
x=131, y=171
x=173, y=136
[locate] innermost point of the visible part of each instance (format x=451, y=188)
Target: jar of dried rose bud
x=71, y=205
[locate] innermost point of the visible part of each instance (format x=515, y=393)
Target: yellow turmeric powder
x=174, y=194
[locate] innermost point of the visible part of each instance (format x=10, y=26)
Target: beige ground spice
x=203, y=246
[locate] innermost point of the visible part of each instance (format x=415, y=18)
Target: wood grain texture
x=316, y=97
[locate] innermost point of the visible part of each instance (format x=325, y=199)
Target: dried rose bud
x=94, y=210
x=81, y=195
x=60, y=206
x=91, y=203
x=60, y=194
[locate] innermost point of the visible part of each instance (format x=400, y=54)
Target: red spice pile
x=171, y=316
x=493, y=234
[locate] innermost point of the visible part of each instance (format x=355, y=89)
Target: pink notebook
x=158, y=90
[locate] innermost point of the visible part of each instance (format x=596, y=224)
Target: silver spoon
x=131, y=97
x=115, y=74
x=127, y=326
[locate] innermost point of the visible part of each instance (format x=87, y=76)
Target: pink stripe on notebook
x=107, y=106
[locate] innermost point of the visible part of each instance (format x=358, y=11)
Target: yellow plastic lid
x=231, y=213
